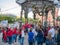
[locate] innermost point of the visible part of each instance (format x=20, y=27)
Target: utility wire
x=9, y=9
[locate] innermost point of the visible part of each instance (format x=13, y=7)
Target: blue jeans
x=22, y=40
x=10, y=40
x=49, y=42
x=30, y=43
x=16, y=38
x=35, y=40
x=13, y=37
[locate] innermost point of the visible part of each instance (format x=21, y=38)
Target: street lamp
x=20, y=2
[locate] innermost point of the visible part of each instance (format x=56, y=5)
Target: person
x=52, y=31
x=40, y=37
x=4, y=38
x=14, y=34
x=22, y=37
x=9, y=34
x=26, y=28
x=30, y=37
x=7, y=29
x=48, y=28
x=49, y=40
x=58, y=37
x=45, y=33
x=35, y=35
x=19, y=34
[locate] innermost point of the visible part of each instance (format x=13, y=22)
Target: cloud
x=11, y=7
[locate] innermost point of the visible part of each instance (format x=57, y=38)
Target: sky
x=11, y=7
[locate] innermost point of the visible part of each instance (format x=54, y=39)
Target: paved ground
x=17, y=43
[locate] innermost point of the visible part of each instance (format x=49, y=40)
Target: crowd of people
x=37, y=34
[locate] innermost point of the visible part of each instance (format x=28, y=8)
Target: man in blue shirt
x=30, y=37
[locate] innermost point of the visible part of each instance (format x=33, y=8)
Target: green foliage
x=23, y=20
x=32, y=20
x=29, y=20
x=10, y=19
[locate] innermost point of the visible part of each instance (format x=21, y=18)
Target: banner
x=4, y=23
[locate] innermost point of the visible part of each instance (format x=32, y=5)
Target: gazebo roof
x=50, y=1
x=37, y=3
x=39, y=0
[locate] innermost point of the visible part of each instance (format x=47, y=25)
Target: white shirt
x=35, y=33
x=52, y=31
x=23, y=33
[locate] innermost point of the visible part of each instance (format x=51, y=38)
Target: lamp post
x=20, y=2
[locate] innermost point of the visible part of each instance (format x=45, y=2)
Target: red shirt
x=23, y=27
x=29, y=25
x=10, y=33
x=15, y=31
x=4, y=34
x=19, y=32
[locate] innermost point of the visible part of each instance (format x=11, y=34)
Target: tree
x=10, y=19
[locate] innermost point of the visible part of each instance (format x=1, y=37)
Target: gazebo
x=40, y=7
